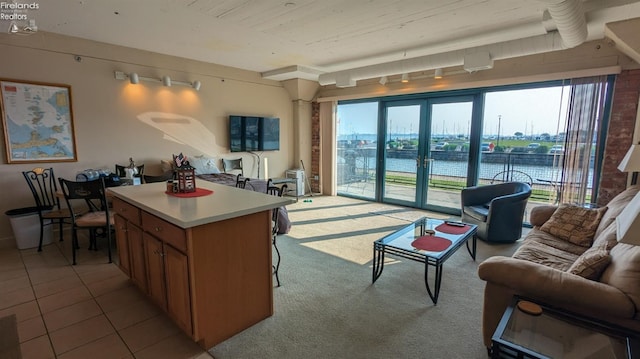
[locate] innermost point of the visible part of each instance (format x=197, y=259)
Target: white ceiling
x=306, y=37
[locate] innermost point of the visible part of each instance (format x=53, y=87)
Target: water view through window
x=426, y=146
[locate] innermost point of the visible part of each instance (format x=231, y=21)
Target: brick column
x=315, y=147
x=622, y=124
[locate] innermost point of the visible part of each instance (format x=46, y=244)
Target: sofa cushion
x=616, y=205
x=624, y=271
x=204, y=164
x=480, y=212
x=592, y=262
x=574, y=224
x=543, y=248
x=607, y=237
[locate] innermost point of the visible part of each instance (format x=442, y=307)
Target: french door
x=426, y=152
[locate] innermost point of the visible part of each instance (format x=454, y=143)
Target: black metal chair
x=232, y=165
x=42, y=183
x=97, y=214
x=241, y=182
x=160, y=178
x=276, y=191
x=497, y=209
x=121, y=171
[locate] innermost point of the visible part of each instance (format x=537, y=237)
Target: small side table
x=557, y=334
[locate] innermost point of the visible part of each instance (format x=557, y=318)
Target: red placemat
x=449, y=229
x=198, y=193
x=431, y=243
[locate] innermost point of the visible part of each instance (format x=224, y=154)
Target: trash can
x=25, y=223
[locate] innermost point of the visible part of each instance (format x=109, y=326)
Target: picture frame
x=37, y=120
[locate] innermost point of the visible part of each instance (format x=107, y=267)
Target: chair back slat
x=92, y=192
x=42, y=183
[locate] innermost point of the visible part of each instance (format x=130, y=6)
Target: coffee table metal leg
x=378, y=263
x=472, y=252
x=438, y=281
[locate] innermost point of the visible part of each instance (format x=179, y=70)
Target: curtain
x=585, y=112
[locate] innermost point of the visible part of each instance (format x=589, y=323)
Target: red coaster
x=449, y=229
x=431, y=243
x=198, y=193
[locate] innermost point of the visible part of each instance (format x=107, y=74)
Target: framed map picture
x=37, y=119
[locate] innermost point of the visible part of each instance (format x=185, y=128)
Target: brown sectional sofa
x=538, y=270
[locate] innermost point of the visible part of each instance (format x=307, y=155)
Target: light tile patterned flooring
x=90, y=310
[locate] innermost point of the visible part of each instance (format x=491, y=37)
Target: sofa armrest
x=554, y=286
x=540, y=214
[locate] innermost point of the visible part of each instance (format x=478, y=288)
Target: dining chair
x=121, y=170
x=97, y=215
x=160, y=178
x=232, y=165
x=241, y=182
x=42, y=183
x=275, y=213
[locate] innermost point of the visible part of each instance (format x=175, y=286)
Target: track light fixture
x=405, y=78
x=437, y=74
x=134, y=78
x=383, y=80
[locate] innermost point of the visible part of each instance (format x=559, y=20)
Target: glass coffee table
x=551, y=333
x=427, y=240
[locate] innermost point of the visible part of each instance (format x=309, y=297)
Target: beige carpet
x=9, y=343
x=328, y=308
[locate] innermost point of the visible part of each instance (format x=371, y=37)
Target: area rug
x=327, y=306
x=9, y=342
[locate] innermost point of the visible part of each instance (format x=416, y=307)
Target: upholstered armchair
x=497, y=209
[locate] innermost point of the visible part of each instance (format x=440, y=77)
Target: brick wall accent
x=620, y=134
x=315, y=147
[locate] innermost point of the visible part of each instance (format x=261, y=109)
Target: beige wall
x=105, y=109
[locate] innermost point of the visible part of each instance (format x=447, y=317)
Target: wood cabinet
x=129, y=242
x=168, y=275
x=213, y=279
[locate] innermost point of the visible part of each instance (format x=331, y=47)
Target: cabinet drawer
x=167, y=232
x=126, y=210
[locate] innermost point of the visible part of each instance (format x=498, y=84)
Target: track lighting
x=383, y=80
x=134, y=78
x=437, y=74
x=405, y=78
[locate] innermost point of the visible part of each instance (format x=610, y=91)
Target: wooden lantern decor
x=185, y=174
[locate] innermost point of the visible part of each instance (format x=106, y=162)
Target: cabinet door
x=137, y=256
x=123, y=245
x=155, y=269
x=178, y=294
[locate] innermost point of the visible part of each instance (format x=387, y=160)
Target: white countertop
x=224, y=203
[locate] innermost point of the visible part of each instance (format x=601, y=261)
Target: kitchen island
x=205, y=260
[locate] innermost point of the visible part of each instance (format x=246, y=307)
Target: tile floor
x=90, y=310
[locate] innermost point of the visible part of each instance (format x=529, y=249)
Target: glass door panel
x=402, y=149
x=447, y=156
x=356, y=139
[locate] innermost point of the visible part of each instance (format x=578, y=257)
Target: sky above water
x=529, y=111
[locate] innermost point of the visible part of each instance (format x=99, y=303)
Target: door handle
x=418, y=162
x=426, y=161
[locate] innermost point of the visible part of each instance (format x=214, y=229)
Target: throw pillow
x=203, y=164
x=574, y=224
x=591, y=263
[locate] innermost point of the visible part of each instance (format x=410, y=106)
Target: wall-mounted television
x=252, y=133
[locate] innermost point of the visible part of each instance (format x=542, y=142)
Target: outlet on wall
x=316, y=177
